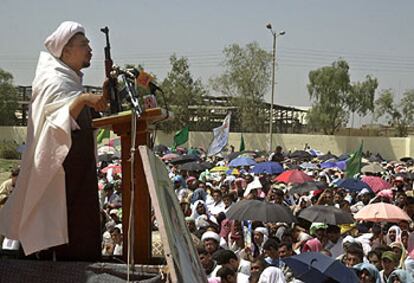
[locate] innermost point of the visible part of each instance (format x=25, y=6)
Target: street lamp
x=275, y=35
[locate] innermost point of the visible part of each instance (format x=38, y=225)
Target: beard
x=86, y=64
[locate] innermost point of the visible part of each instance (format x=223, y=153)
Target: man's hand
x=96, y=101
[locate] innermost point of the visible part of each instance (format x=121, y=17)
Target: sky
x=374, y=36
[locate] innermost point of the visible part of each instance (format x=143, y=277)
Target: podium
x=121, y=125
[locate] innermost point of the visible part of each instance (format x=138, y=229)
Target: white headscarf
x=397, y=234
x=61, y=36
x=272, y=275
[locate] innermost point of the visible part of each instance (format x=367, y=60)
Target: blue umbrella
x=268, y=167
x=332, y=164
x=242, y=161
x=352, y=185
x=316, y=267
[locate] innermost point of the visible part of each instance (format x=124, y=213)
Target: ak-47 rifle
x=114, y=99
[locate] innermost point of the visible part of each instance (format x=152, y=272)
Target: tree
x=334, y=96
x=8, y=99
x=246, y=79
x=401, y=115
x=182, y=91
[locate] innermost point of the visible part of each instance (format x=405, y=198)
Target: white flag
x=220, y=137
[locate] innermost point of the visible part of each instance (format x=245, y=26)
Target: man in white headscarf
x=55, y=202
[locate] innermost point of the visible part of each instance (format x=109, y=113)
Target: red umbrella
x=376, y=183
x=293, y=176
x=116, y=169
x=382, y=211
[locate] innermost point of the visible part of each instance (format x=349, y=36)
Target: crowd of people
x=252, y=251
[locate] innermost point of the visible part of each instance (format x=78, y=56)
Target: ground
x=5, y=166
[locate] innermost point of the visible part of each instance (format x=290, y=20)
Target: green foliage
x=8, y=99
x=401, y=115
x=247, y=79
x=182, y=91
x=8, y=150
x=334, y=96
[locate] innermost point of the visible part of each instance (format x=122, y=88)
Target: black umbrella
x=316, y=267
x=185, y=159
x=406, y=159
x=207, y=165
x=327, y=156
x=326, y=214
x=108, y=157
x=301, y=155
x=193, y=166
x=376, y=158
x=306, y=187
x=257, y=210
x=160, y=148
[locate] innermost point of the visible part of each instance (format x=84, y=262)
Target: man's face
x=205, y=260
x=388, y=265
x=272, y=253
x=217, y=197
x=255, y=268
x=258, y=238
x=232, y=264
x=78, y=52
x=351, y=260
x=210, y=245
x=284, y=251
x=201, y=209
x=333, y=237
x=373, y=259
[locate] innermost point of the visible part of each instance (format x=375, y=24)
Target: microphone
x=142, y=78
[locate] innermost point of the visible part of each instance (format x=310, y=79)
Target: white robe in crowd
x=36, y=214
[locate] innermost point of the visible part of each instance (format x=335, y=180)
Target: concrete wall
x=388, y=147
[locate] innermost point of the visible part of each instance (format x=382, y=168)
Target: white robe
x=36, y=213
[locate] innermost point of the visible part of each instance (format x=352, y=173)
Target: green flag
x=242, y=146
x=102, y=134
x=181, y=137
x=354, y=164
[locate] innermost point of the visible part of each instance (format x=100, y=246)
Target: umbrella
x=207, y=165
x=219, y=169
x=169, y=156
x=308, y=165
x=293, y=176
x=257, y=210
x=242, y=161
x=193, y=166
x=269, y=167
x=316, y=267
x=184, y=159
x=326, y=214
x=106, y=150
x=301, y=155
x=233, y=171
x=108, y=157
x=372, y=168
x=376, y=158
x=344, y=156
x=334, y=164
x=381, y=211
x=352, y=185
x=376, y=183
x=406, y=159
x=327, y=156
x=161, y=148
x=116, y=169
x=306, y=187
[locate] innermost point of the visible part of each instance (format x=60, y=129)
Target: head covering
x=363, y=192
x=225, y=227
x=312, y=245
x=61, y=36
x=397, y=230
x=403, y=275
x=210, y=235
x=372, y=270
x=390, y=255
x=262, y=230
x=272, y=275
x=316, y=226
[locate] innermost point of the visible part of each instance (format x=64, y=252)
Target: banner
x=181, y=137
x=220, y=137
x=354, y=164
